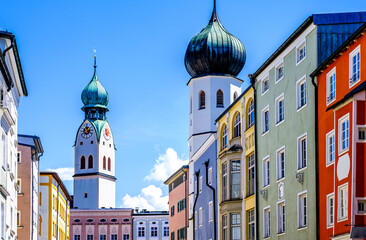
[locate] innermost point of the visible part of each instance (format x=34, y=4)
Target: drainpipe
x=213, y=197
x=194, y=205
x=8, y=48
x=316, y=157
x=252, y=82
x=185, y=197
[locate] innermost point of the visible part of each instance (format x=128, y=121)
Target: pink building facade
x=101, y=224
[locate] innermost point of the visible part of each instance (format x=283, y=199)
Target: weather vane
x=95, y=58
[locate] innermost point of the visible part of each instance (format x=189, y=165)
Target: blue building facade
x=205, y=193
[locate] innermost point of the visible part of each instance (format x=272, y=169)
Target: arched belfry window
x=104, y=163
x=202, y=100
x=109, y=164
x=237, y=125
x=224, y=137
x=82, y=162
x=90, y=161
x=219, y=98
x=235, y=96
x=251, y=113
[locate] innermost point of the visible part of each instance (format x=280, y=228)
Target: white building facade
x=150, y=225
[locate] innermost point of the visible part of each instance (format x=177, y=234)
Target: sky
x=140, y=48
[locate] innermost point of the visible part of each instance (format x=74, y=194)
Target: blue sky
x=140, y=47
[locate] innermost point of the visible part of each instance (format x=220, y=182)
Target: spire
x=214, y=16
x=95, y=61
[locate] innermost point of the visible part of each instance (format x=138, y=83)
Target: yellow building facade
x=54, y=220
x=236, y=169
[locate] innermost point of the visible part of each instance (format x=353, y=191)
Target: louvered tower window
x=202, y=100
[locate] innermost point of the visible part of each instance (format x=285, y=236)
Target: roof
x=176, y=173
x=10, y=36
x=338, y=52
x=59, y=181
x=32, y=141
x=319, y=19
x=150, y=213
x=232, y=104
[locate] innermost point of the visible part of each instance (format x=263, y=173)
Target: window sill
x=351, y=85
x=219, y=106
x=330, y=163
x=298, y=62
x=279, y=123
x=201, y=108
x=278, y=80
x=342, y=219
x=281, y=234
x=265, y=133
x=302, y=169
x=331, y=101
x=280, y=180
x=343, y=151
x=263, y=93
x=301, y=107
x=302, y=228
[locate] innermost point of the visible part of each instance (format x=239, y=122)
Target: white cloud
x=166, y=165
x=64, y=173
x=150, y=198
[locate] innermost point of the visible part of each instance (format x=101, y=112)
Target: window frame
x=265, y=79
x=356, y=51
x=224, y=227
x=251, y=221
x=341, y=218
x=251, y=170
x=299, y=105
x=250, y=114
x=278, y=163
x=301, y=45
x=267, y=222
x=202, y=100
x=237, y=125
x=266, y=171
x=281, y=230
x=329, y=197
x=235, y=225
x=344, y=118
x=218, y=98
x=224, y=184
x=300, y=156
x=278, y=66
x=302, y=210
x=279, y=99
x=232, y=185
x=224, y=137
x=330, y=135
x=210, y=211
x=264, y=129
x=329, y=86
x=200, y=217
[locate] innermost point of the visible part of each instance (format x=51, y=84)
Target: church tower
x=94, y=179
x=213, y=58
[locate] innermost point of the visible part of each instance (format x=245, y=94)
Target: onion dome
x=94, y=94
x=214, y=51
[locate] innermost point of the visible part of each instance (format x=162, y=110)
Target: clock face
x=107, y=133
x=86, y=130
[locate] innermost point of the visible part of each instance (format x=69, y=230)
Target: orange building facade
x=341, y=123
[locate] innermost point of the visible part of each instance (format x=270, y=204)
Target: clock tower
x=94, y=178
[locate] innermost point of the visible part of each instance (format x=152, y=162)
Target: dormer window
x=219, y=99
x=202, y=99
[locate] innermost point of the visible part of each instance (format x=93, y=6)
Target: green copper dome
x=214, y=51
x=94, y=94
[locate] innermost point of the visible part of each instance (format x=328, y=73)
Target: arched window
x=219, y=98
x=224, y=137
x=202, y=100
x=82, y=162
x=235, y=96
x=109, y=164
x=90, y=161
x=237, y=125
x=104, y=163
x=251, y=113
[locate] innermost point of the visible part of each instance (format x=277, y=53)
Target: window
x=251, y=113
x=301, y=93
x=172, y=236
x=19, y=184
x=354, y=66
x=265, y=85
x=265, y=120
x=343, y=133
x=18, y=218
x=224, y=137
x=331, y=86
x=362, y=133
x=219, y=99
x=235, y=179
x=109, y=164
x=19, y=159
x=141, y=231
x=102, y=237
x=76, y=237
x=281, y=163
x=200, y=216
x=237, y=125
x=300, y=53
x=302, y=211
x=104, y=163
x=210, y=176
x=90, y=161
x=201, y=183
x=330, y=147
x=235, y=226
x=279, y=72
x=251, y=225
x=301, y=152
x=181, y=233
x=281, y=218
x=166, y=232
x=82, y=162
x=224, y=181
x=267, y=222
x=330, y=210
x=280, y=109
x=114, y=237
x=210, y=211
x=202, y=100
x=361, y=205
x=195, y=219
x=266, y=171
x=172, y=211
x=89, y=237
x=154, y=231
x=343, y=202
x=224, y=227
x=235, y=96
x=251, y=174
